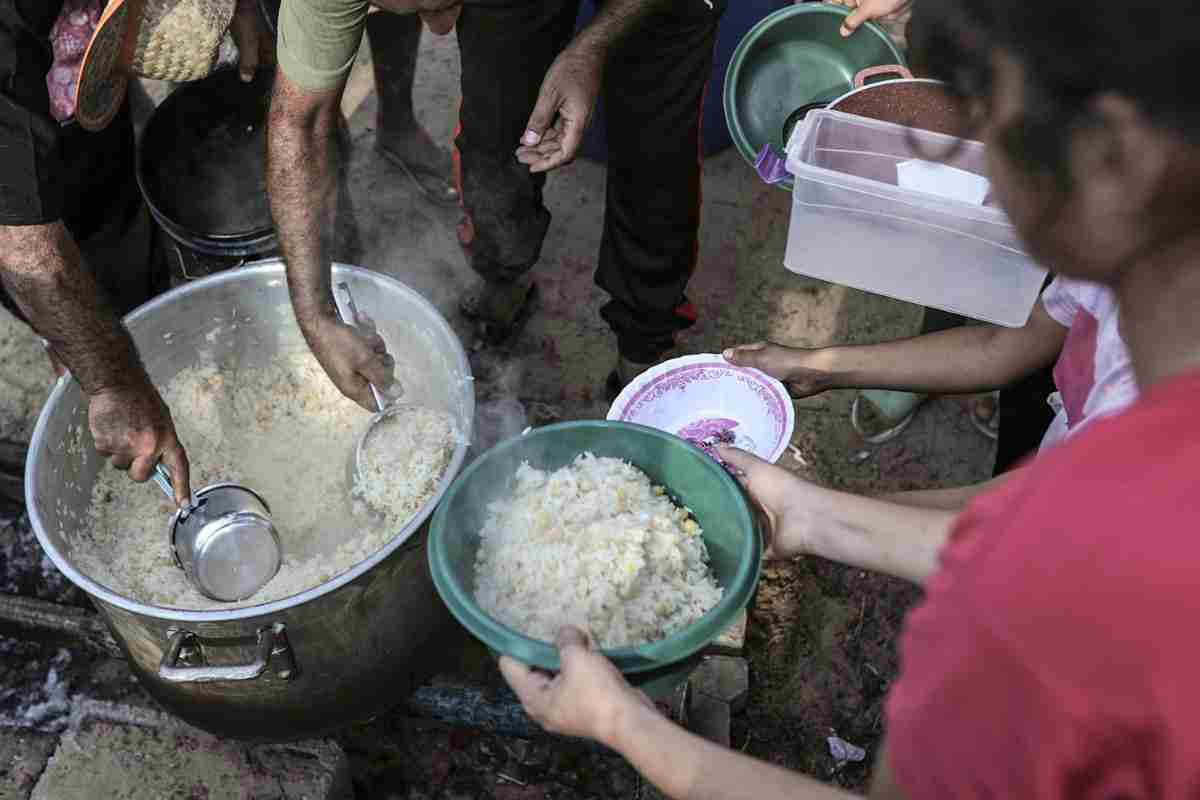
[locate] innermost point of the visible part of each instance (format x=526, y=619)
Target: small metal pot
x=224, y=540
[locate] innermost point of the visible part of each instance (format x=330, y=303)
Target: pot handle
x=272, y=642
x=900, y=71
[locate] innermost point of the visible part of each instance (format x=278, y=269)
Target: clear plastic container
x=852, y=224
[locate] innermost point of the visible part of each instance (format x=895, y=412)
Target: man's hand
x=253, y=39
x=564, y=107
x=805, y=372
x=866, y=10
x=588, y=696
x=44, y=272
x=352, y=357
x=780, y=497
x=132, y=426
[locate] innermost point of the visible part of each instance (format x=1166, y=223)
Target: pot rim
x=272, y=266
x=832, y=106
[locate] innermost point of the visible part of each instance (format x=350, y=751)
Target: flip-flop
x=447, y=196
x=885, y=435
x=989, y=427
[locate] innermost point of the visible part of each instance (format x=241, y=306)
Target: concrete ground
x=821, y=639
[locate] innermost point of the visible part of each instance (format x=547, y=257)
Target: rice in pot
x=285, y=431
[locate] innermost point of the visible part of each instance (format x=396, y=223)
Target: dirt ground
x=822, y=638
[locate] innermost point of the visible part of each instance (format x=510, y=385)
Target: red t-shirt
x=1057, y=651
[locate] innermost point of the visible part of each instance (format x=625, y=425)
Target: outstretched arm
x=303, y=161
x=590, y=698
x=964, y=360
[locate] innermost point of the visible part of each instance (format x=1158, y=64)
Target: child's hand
x=588, y=697
x=866, y=10
x=805, y=372
x=780, y=497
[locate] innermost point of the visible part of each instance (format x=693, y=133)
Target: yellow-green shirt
x=318, y=40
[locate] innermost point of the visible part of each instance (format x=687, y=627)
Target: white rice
x=403, y=460
x=285, y=431
x=595, y=545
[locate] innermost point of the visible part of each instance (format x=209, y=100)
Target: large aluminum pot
x=304, y=665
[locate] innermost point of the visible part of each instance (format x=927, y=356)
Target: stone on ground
x=724, y=678
x=133, y=754
x=23, y=756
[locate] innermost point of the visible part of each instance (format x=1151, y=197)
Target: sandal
x=497, y=322
x=433, y=186
x=985, y=415
x=906, y=399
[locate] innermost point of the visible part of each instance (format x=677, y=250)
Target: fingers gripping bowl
x=691, y=479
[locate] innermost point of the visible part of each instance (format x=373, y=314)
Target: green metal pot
x=793, y=59
x=692, y=479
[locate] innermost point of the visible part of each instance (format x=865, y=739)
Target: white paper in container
x=943, y=180
x=852, y=224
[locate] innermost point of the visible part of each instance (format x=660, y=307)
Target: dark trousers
x=107, y=218
x=653, y=93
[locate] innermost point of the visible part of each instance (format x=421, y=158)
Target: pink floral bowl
x=706, y=400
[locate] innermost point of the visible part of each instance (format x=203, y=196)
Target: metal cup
x=223, y=539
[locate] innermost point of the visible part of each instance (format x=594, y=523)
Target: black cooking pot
x=201, y=165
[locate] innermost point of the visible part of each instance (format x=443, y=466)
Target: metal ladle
x=223, y=539
x=385, y=412
x=388, y=413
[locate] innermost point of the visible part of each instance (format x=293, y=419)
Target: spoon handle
x=352, y=309
x=162, y=477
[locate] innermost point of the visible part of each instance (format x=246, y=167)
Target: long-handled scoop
x=386, y=413
x=364, y=466
x=369, y=461
x=348, y=313
x=223, y=539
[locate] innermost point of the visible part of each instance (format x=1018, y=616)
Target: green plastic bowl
x=793, y=58
x=690, y=477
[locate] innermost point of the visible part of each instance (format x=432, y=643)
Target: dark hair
x=1072, y=51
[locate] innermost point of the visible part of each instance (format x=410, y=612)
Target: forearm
x=686, y=767
x=973, y=358
x=873, y=534
x=614, y=20
x=43, y=270
x=954, y=499
x=302, y=167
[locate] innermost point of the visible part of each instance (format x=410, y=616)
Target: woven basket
x=168, y=40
